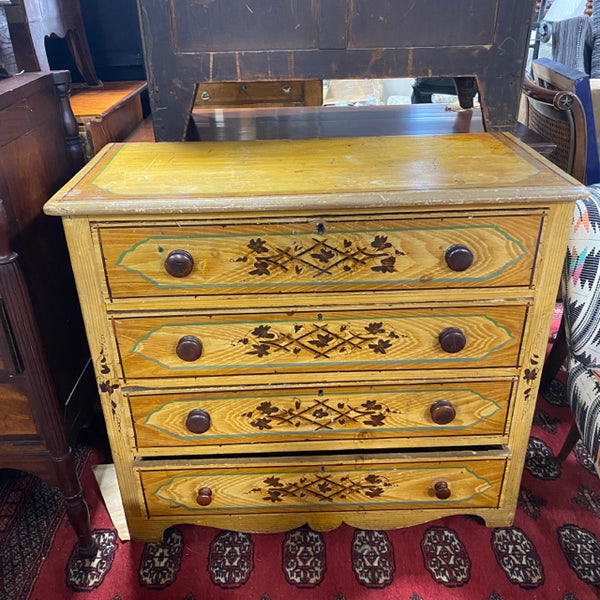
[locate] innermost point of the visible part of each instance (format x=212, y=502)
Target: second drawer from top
x=204, y=344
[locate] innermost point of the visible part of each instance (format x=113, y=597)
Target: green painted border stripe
x=324, y=432
x=298, y=364
x=332, y=504
x=461, y=279
x=514, y=149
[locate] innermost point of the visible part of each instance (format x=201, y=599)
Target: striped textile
x=581, y=297
x=595, y=62
x=572, y=41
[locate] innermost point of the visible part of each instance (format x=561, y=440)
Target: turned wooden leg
x=19, y=309
x=570, y=441
x=77, y=508
x=62, y=80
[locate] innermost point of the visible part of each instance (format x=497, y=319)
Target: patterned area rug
x=31, y=515
x=552, y=552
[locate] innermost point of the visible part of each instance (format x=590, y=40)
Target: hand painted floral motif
x=326, y=487
x=320, y=340
x=322, y=257
x=530, y=376
x=105, y=384
x=320, y=413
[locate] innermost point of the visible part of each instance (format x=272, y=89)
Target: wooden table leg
x=171, y=109
x=27, y=339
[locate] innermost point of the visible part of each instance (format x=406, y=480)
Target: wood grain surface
x=323, y=414
x=321, y=255
x=314, y=485
x=313, y=342
x=324, y=175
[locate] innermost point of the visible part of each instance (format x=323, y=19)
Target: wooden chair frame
x=561, y=107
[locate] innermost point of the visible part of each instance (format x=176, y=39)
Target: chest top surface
x=340, y=173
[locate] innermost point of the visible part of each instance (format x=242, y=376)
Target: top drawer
x=175, y=258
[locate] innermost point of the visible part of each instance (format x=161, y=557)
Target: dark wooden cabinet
x=43, y=353
x=187, y=42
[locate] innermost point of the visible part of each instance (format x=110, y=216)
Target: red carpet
x=552, y=552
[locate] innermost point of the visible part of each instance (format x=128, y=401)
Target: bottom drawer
x=324, y=483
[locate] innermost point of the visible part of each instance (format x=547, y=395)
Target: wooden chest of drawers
x=318, y=331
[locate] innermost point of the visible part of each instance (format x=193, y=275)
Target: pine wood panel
x=353, y=340
x=361, y=483
x=275, y=522
x=320, y=254
x=327, y=174
x=373, y=413
x=535, y=346
x=322, y=167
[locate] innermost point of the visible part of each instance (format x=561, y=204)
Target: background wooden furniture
x=186, y=42
x=29, y=405
x=40, y=405
x=8, y=65
x=315, y=122
x=107, y=114
x=259, y=94
x=559, y=115
x=556, y=76
x=270, y=335
x=31, y=21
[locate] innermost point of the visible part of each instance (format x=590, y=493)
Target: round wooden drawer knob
x=442, y=491
x=452, y=340
x=179, y=263
x=189, y=348
x=442, y=412
x=458, y=257
x=204, y=497
x=198, y=421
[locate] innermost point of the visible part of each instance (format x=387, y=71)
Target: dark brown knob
x=198, y=421
x=442, y=491
x=458, y=257
x=189, y=348
x=442, y=412
x=204, y=497
x=452, y=340
x=179, y=263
